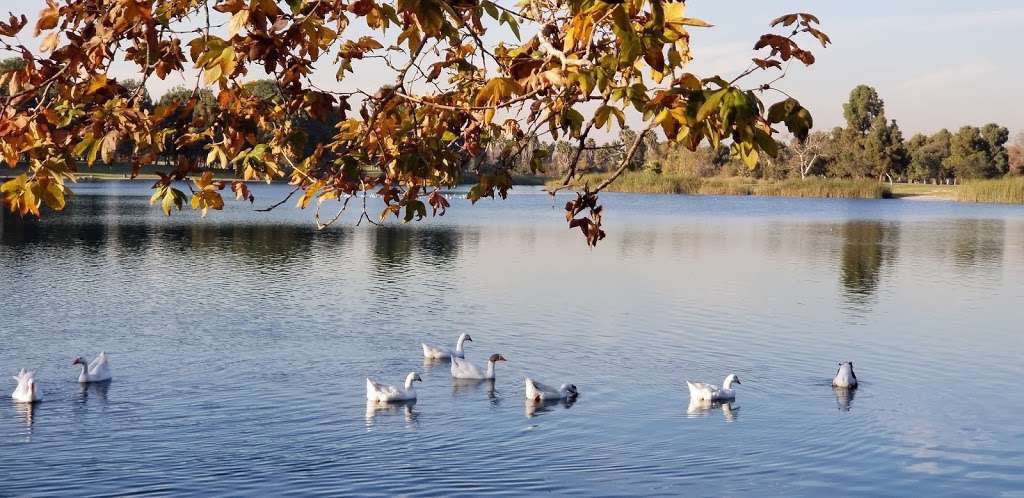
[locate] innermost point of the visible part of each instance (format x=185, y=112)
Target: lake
x=240, y=345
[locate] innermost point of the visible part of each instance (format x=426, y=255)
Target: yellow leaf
x=211, y=75
x=49, y=43
x=237, y=22
x=98, y=81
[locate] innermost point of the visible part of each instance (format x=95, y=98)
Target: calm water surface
x=240, y=344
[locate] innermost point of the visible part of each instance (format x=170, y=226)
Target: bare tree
x=804, y=155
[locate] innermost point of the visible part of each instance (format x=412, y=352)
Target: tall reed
x=1009, y=190
x=654, y=183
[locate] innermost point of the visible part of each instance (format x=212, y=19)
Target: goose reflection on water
x=465, y=387
x=535, y=407
x=844, y=397
x=27, y=413
x=703, y=408
x=97, y=390
x=379, y=408
x=432, y=363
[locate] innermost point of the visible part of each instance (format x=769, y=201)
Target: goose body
x=97, y=370
x=438, y=353
x=537, y=391
x=27, y=390
x=845, y=376
x=707, y=392
x=464, y=369
x=384, y=393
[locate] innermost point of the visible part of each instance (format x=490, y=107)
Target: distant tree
x=205, y=101
x=968, y=154
x=132, y=85
x=627, y=136
x=189, y=114
x=11, y=64
x=863, y=108
x=808, y=157
x=845, y=149
x=927, y=155
x=884, y=150
x=1015, y=154
x=996, y=137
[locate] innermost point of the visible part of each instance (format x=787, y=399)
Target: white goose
x=27, y=390
x=97, y=370
x=845, y=376
x=384, y=393
x=463, y=369
x=439, y=353
x=708, y=392
x=537, y=391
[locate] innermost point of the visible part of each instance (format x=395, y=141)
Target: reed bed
x=653, y=183
x=1007, y=190
x=825, y=187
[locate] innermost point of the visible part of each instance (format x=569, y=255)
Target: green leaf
x=779, y=111
x=766, y=142
x=601, y=116
x=800, y=123
x=491, y=9
x=711, y=103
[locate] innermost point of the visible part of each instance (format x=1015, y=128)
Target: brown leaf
x=47, y=18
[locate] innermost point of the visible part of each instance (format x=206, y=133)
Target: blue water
x=240, y=344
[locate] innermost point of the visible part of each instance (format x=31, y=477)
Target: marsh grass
x=653, y=183
x=642, y=182
x=825, y=187
x=1008, y=190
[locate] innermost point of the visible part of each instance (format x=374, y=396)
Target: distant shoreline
x=1009, y=190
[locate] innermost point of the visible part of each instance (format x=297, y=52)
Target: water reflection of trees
x=121, y=237
x=977, y=243
x=867, y=248
x=113, y=225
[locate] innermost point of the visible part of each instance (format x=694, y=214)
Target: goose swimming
x=537, y=391
x=463, y=369
x=27, y=390
x=385, y=394
x=708, y=392
x=439, y=353
x=97, y=370
x=845, y=376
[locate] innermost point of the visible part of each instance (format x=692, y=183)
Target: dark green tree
x=968, y=155
x=884, y=150
x=927, y=155
x=864, y=106
x=996, y=137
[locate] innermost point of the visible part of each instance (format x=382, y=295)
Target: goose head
x=570, y=390
x=730, y=380
x=78, y=361
x=496, y=358
x=462, y=340
x=412, y=377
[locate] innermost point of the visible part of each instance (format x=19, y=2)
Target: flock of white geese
x=98, y=370
x=535, y=391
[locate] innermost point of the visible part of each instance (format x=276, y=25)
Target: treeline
x=869, y=146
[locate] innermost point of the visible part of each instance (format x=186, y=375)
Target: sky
x=936, y=63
